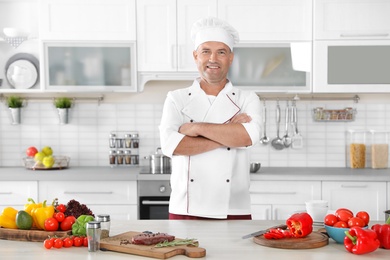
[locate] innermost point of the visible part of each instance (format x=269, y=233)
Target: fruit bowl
x=60, y=162
x=337, y=234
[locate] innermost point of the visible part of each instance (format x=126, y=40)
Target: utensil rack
x=98, y=99
x=334, y=115
x=355, y=98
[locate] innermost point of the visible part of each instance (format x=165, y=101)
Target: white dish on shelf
x=14, y=32
x=22, y=74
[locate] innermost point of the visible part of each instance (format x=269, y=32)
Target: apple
x=47, y=150
x=31, y=151
x=48, y=161
x=39, y=156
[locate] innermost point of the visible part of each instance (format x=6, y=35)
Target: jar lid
x=112, y=135
x=120, y=152
x=93, y=224
x=127, y=152
x=134, y=135
x=103, y=218
x=112, y=152
x=127, y=135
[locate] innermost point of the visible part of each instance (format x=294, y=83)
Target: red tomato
x=59, y=216
x=68, y=242
x=364, y=215
x=78, y=241
x=344, y=214
x=48, y=243
x=85, y=241
x=51, y=224
x=330, y=219
x=67, y=223
x=31, y=151
x=58, y=243
x=61, y=208
x=343, y=209
x=355, y=221
x=341, y=224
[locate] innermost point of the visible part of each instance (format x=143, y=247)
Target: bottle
x=104, y=225
x=93, y=234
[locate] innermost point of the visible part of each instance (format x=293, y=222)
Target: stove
x=153, y=199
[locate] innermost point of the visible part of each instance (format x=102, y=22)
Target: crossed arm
x=204, y=137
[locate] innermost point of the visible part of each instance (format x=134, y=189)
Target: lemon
x=23, y=220
x=47, y=150
x=39, y=156
x=48, y=161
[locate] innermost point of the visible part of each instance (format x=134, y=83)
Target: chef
x=208, y=129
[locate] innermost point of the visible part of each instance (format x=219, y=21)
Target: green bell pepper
x=79, y=227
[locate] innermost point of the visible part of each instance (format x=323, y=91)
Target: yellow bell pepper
x=41, y=214
x=30, y=207
x=8, y=218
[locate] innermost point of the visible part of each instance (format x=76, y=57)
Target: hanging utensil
x=277, y=142
x=286, y=138
x=264, y=139
x=297, y=139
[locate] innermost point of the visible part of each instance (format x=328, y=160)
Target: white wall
x=85, y=138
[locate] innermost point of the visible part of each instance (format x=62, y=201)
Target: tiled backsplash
x=85, y=138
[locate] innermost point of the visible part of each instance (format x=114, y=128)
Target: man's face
x=213, y=60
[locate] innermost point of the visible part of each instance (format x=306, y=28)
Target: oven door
x=153, y=207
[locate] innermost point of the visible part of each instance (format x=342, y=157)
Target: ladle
x=277, y=142
x=264, y=139
x=287, y=138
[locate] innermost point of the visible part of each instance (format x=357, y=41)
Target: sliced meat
x=151, y=238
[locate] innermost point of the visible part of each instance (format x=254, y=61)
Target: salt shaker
x=93, y=234
x=105, y=225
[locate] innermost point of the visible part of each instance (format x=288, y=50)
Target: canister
x=379, y=148
x=93, y=234
x=356, y=149
x=105, y=223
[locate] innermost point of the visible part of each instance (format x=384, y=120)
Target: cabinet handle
x=352, y=35
x=154, y=202
x=6, y=193
x=353, y=186
x=88, y=192
x=274, y=192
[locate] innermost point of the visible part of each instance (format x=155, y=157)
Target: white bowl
x=13, y=32
x=317, y=203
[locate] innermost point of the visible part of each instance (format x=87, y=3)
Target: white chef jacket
x=216, y=183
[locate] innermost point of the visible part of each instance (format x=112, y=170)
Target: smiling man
x=207, y=130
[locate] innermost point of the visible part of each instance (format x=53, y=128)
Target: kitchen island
x=221, y=239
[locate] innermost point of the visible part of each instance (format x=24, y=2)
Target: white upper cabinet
x=87, y=20
x=352, y=19
x=268, y=20
x=163, y=33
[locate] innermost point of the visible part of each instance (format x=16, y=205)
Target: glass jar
x=112, y=140
x=134, y=159
x=105, y=225
x=356, y=149
x=135, y=140
x=119, y=143
x=379, y=141
x=93, y=230
x=112, y=157
x=127, y=140
x=119, y=157
x=127, y=157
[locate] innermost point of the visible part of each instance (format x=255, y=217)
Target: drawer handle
x=88, y=192
x=364, y=35
x=275, y=192
x=353, y=186
x=6, y=193
x=154, y=202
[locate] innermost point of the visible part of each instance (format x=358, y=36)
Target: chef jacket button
x=227, y=180
x=192, y=180
x=189, y=94
x=233, y=93
x=228, y=148
x=191, y=120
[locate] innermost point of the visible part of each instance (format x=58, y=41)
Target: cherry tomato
x=341, y=224
x=355, y=221
x=330, y=219
x=58, y=243
x=51, y=224
x=67, y=223
x=344, y=215
x=48, y=243
x=343, y=209
x=85, y=241
x=68, y=242
x=364, y=215
x=61, y=208
x=78, y=241
x=59, y=216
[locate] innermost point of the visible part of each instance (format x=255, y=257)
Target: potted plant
x=15, y=103
x=63, y=104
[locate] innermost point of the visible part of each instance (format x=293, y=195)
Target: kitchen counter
x=139, y=173
x=221, y=239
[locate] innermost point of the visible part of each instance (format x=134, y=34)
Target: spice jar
x=127, y=140
x=119, y=157
x=105, y=225
x=135, y=140
x=127, y=157
x=112, y=140
x=112, y=157
x=119, y=143
x=93, y=234
x=134, y=159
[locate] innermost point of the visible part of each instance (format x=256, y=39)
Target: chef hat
x=213, y=29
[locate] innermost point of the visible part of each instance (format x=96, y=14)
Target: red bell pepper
x=300, y=224
x=277, y=233
x=361, y=241
x=383, y=234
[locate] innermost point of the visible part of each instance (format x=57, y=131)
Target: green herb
x=166, y=243
x=63, y=102
x=14, y=102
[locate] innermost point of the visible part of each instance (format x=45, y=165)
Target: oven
x=153, y=199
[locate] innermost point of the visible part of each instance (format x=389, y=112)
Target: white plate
x=22, y=74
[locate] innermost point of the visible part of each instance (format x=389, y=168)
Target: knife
x=262, y=232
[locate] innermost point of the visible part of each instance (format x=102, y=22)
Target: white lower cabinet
x=116, y=198
x=277, y=200
x=15, y=193
x=357, y=196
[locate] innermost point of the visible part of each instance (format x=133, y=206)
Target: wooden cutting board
x=114, y=244
x=314, y=240
x=33, y=235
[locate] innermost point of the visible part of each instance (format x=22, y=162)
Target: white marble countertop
x=138, y=173
x=221, y=239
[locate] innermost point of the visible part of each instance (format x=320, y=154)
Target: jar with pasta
x=379, y=141
x=356, y=149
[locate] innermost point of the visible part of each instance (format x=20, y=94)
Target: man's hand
x=241, y=118
x=189, y=129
